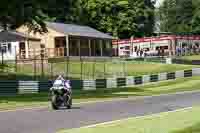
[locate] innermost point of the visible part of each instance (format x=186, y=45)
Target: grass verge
x=35, y=100
x=158, y=123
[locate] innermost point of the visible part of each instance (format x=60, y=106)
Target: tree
x=146, y=19
x=176, y=16
x=195, y=23
x=14, y=13
x=121, y=18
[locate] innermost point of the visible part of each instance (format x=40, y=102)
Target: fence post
x=81, y=67
x=124, y=69
x=15, y=60
x=51, y=70
x=104, y=68
x=93, y=71
x=42, y=62
x=34, y=59
x=68, y=66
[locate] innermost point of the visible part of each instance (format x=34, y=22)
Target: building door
x=22, y=50
x=60, y=46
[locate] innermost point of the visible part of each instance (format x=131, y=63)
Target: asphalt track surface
x=48, y=121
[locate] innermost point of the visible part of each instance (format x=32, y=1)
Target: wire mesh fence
x=88, y=68
x=70, y=67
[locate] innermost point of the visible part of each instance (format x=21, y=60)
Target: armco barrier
x=101, y=83
x=89, y=84
x=13, y=87
x=188, y=73
x=153, y=78
x=138, y=80
x=121, y=82
x=171, y=75
x=28, y=87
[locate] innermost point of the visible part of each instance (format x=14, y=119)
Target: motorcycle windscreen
x=58, y=83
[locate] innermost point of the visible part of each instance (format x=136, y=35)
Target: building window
x=42, y=46
x=4, y=48
x=9, y=47
x=127, y=47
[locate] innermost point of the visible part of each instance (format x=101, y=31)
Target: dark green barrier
x=153, y=78
x=181, y=61
x=138, y=80
x=101, y=83
x=77, y=84
x=121, y=82
x=195, y=62
x=9, y=87
x=44, y=86
x=188, y=73
x=171, y=75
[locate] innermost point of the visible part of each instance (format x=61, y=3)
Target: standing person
x=145, y=53
x=176, y=51
x=163, y=52
x=141, y=52
x=179, y=51
x=137, y=52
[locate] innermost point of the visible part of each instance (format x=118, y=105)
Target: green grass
x=158, y=123
x=30, y=100
x=93, y=70
x=192, y=57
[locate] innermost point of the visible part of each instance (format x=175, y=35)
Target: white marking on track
x=138, y=117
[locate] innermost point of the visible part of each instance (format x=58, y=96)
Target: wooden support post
x=15, y=60
x=94, y=48
x=89, y=43
x=101, y=47
x=170, y=48
x=34, y=58
x=79, y=47
x=27, y=49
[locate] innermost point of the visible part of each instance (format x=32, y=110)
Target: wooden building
x=72, y=40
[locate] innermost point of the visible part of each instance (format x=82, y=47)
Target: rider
x=61, y=81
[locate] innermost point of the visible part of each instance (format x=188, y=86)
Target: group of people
x=146, y=52
x=185, y=50
x=140, y=52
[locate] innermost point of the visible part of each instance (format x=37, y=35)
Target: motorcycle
x=61, y=94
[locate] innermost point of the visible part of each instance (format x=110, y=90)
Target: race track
x=49, y=121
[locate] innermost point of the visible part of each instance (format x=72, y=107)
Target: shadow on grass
x=192, y=129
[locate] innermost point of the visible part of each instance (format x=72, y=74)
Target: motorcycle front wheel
x=54, y=102
x=69, y=106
